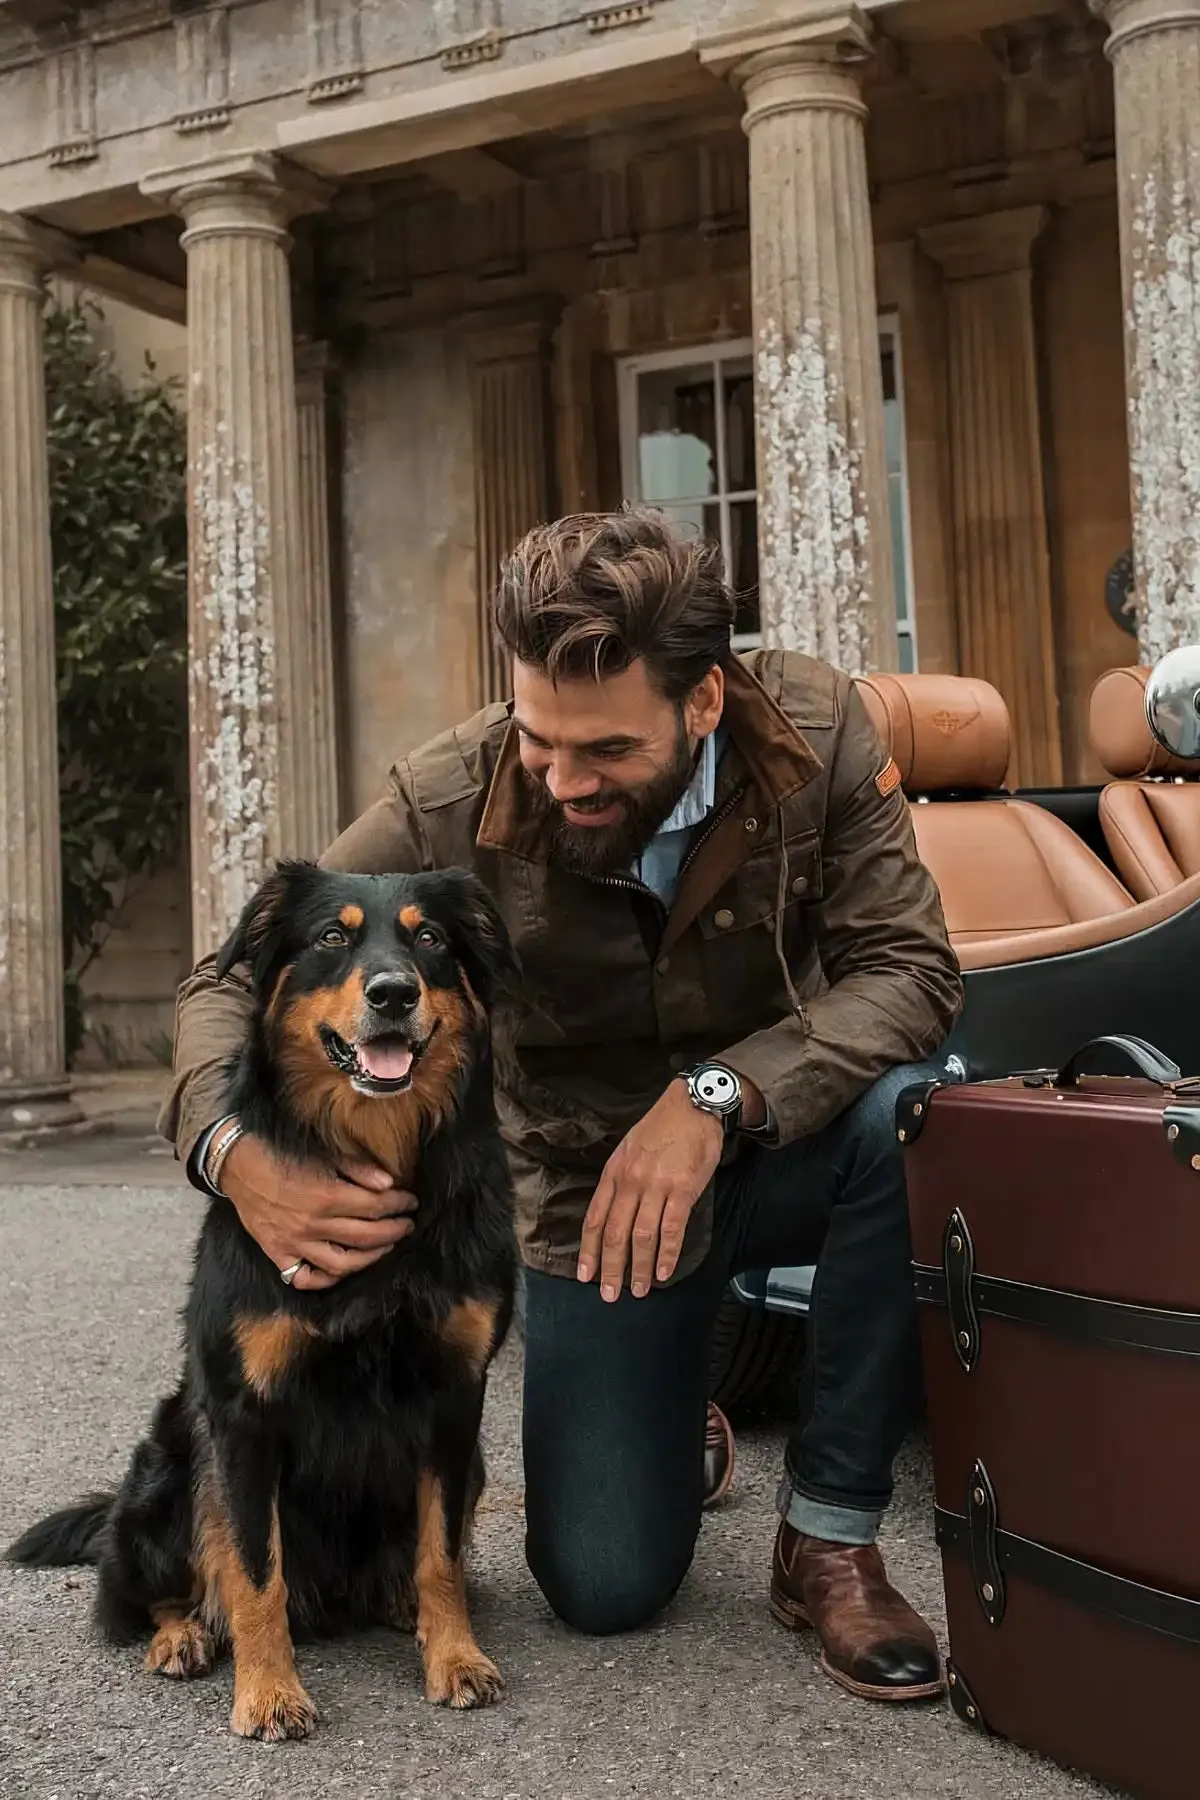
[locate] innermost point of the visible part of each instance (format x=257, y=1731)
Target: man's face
x=607, y=760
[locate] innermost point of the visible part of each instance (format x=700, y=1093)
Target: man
x=732, y=958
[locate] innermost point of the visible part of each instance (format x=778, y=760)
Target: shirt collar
x=696, y=800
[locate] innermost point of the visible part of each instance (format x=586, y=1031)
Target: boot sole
x=793, y=1617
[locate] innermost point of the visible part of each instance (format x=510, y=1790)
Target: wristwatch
x=712, y=1088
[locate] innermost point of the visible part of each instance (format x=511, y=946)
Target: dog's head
x=370, y=986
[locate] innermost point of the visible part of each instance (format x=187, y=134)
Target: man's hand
x=336, y=1227
x=646, y=1194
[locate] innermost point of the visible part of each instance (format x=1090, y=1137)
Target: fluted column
x=314, y=373
x=1154, y=46
x=253, y=783
x=514, y=485
x=1001, y=543
x=826, y=582
x=34, y=1090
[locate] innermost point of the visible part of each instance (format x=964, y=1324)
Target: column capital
x=990, y=244
x=822, y=34
x=502, y=334
x=243, y=191
x=1130, y=19
x=29, y=250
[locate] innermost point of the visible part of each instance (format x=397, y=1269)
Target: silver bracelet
x=215, y=1160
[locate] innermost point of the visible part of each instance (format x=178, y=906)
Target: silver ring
x=289, y=1275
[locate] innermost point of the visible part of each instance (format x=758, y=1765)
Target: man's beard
x=600, y=850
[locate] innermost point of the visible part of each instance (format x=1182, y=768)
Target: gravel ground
x=94, y=1250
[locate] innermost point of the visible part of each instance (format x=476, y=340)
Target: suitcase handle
x=1148, y=1061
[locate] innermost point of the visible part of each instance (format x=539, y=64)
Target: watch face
x=716, y=1087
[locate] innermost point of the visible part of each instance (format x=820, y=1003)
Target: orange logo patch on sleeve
x=888, y=777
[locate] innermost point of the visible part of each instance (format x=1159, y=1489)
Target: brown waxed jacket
x=806, y=945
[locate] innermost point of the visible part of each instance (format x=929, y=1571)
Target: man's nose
x=392, y=993
x=571, y=781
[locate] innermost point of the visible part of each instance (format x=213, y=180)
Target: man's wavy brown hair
x=590, y=594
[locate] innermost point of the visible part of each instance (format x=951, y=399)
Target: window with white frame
x=687, y=446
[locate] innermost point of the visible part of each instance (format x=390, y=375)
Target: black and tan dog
x=318, y=1467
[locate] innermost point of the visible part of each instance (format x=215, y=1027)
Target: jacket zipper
x=639, y=887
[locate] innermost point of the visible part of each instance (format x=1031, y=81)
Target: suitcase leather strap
x=1068, y=1578
x=1080, y=1316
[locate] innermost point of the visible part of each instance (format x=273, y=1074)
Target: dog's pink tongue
x=386, y=1062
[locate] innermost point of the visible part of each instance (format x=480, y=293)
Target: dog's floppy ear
x=257, y=938
x=482, y=942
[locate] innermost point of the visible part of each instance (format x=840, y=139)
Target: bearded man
x=733, y=960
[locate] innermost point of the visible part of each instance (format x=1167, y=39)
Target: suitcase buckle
x=982, y=1515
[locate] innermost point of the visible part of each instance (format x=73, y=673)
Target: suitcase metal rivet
x=902, y=1134
x=964, y=1338
x=978, y=1496
x=918, y=1109
x=956, y=1244
x=972, y=1713
x=1196, y=1162
x=953, y=1678
x=1172, y=1133
x=989, y=1592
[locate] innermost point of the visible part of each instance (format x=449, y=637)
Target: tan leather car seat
x=1004, y=867
x=1150, y=814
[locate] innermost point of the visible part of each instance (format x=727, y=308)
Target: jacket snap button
x=800, y=885
x=751, y=824
x=723, y=919
x=662, y=965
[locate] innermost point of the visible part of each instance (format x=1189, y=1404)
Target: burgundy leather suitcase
x=1056, y=1245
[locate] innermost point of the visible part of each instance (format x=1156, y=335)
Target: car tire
x=755, y=1356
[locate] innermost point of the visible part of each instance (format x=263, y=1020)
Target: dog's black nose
x=394, y=993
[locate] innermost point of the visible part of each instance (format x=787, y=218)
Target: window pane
x=677, y=436
x=908, y=654
x=899, y=546
x=743, y=570
x=737, y=381
x=697, y=520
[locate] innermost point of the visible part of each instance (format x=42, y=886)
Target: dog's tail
x=65, y=1538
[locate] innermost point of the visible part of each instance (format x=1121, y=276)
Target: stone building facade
x=899, y=299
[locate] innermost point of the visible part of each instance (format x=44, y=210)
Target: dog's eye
x=431, y=939
x=333, y=937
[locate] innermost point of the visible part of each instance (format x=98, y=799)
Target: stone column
x=34, y=1091
x=514, y=485
x=253, y=782
x=314, y=374
x=1154, y=46
x=1001, y=544
x=826, y=583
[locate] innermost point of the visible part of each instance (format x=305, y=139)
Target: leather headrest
x=945, y=731
x=1119, y=733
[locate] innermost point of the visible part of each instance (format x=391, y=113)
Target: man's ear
x=484, y=946
x=259, y=935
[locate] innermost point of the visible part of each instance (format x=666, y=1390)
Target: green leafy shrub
x=118, y=521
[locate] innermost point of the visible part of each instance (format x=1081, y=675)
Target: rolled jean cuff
x=820, y=1519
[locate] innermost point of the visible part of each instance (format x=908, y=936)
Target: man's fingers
x=614, y=1243
x=346, y=1199
x=332, y=1259
x=645, y=1241
x=593, y=1227
x=366, y=1234
x=311, y=1281
x=367, y=1175
x=676, y=1214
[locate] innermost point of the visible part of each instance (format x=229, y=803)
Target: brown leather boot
x=718, y=1456
x=872, y=1641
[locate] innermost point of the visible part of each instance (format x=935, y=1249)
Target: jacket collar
x=776, y=756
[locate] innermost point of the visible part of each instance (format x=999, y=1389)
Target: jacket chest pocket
x=753, y=898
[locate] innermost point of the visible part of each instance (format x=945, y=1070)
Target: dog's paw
x=180, y=1648
x=271, y=1710
x=462, y=1680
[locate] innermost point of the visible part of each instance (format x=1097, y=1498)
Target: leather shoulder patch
x=888, y=778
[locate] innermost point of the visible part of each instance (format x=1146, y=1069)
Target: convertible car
x=1075, y=912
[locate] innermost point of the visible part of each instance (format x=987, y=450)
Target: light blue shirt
x=658, y=866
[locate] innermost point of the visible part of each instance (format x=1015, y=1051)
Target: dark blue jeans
x=615, y=1394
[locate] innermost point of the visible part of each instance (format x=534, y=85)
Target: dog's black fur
x=350, y=1415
